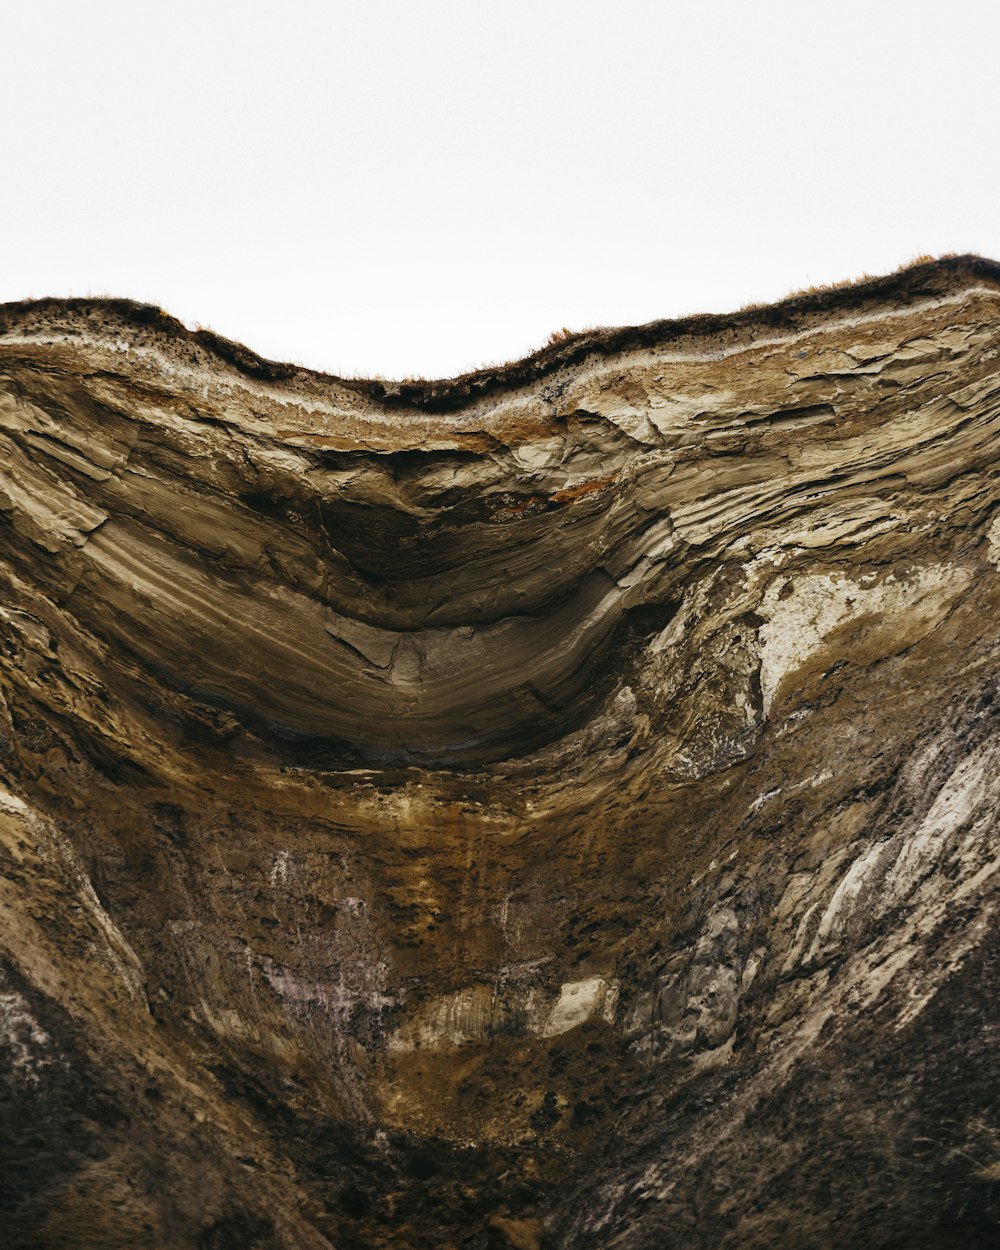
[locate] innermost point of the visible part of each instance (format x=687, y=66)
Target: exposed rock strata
x=553, y=808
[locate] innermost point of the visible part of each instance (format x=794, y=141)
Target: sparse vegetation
x=925, y=258
x=558, y=336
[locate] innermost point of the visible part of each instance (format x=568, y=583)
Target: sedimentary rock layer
x=555, y=807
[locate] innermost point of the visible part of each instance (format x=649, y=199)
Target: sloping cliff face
x=555, y=808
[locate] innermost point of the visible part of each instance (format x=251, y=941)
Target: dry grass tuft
x=558, y=336
x=925, y=258
x=839, y=285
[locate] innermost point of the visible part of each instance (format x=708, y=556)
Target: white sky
x=418, y=188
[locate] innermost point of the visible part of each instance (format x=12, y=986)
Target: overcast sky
x=419, y=188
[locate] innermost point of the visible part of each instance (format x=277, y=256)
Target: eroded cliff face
x=553, y=808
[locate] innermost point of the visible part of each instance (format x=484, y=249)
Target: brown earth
x=551, y=808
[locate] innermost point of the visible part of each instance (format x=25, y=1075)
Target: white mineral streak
x=993, y=541
x=32, y=833
x=479, y=1012
x=956, y=835
x=11, y=803
x=27, y=1045
x=955, y=842
x=801, y=614
x=578, y=1002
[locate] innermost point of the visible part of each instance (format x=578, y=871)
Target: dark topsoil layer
x=923, y=280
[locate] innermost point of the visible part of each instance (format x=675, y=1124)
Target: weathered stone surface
x=553, y=808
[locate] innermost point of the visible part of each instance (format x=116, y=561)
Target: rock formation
x=552, y=808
